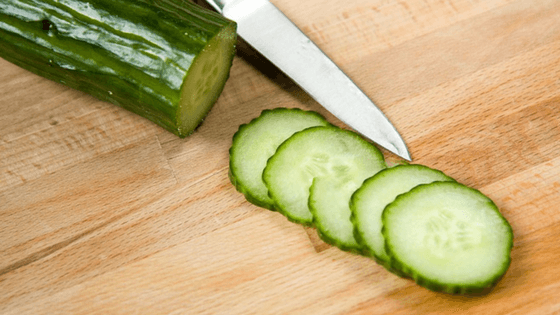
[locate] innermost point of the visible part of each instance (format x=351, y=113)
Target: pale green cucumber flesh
x=254, y=143
x=368, y=202
x=308, y=154
x=205, y=80
x=448, y=237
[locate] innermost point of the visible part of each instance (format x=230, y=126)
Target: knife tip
x=400, y=149
x=405, y=155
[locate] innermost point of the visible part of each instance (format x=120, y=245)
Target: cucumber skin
x=52, y=39
x=481, y=288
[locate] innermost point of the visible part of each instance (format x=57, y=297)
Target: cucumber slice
x=254, y=143
x=325, y=151
x=368, y=202
x=448, y=237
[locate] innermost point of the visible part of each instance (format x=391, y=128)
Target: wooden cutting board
x=102, y=212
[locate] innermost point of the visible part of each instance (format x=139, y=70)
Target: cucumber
x=368, y=202
x=325, y=152
x=254, y=143
x=448, y=237
x=166, y=60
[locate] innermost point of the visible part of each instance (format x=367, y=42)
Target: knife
x=270, y=32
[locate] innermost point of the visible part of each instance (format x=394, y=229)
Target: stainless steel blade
x=271, y=33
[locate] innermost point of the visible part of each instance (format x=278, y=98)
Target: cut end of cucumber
x=205, y=80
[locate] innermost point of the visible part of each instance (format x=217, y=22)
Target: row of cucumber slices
x=415, y=221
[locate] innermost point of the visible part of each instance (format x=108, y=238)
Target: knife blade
x=263, y=26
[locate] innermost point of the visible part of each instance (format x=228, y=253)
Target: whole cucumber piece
x=166, y=60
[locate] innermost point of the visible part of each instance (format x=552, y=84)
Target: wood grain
x=102, y=212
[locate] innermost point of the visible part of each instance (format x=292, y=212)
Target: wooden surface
x=102, y=212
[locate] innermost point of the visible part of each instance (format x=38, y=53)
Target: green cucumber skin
x=134, y=54
x=481, y=288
